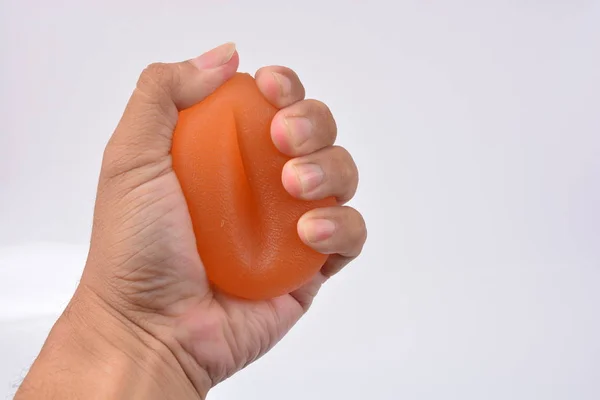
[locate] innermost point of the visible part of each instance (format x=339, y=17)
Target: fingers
x=306, y=294
x=186, y=83
x=280, y=85
x=306, y=130
x=337, y=231
x=334, y=264
x=334, y=230
x=325, y=173
x=145, y=130
x=303, y=128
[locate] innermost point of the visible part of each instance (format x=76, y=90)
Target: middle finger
x=303, y=128
x=325, y=173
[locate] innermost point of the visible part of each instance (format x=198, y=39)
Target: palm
x=168, y=278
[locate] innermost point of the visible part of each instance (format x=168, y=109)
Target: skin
x=144, y=322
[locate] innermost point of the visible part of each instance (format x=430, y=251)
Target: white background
x=476, y=127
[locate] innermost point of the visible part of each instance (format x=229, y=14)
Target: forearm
x=93, y=354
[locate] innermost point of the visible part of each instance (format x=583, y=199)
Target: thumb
x=143, y=135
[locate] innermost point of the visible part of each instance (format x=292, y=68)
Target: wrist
x=95, y=352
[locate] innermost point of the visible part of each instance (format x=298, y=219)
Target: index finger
x=280, y=85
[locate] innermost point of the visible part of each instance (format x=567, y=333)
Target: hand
x=143, y=268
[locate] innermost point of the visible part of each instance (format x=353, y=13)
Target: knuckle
x=317, y=106
x=288, y=73
x=345, y=165
x=297, y=86
x=283, y=70
x=342, y=154
x=353, y=233
x=157, y=76
x=359, y=231
x=320, y=109
x=325, y=118
x=323, y=109
x=156, y=86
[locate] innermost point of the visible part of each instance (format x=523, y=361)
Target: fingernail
x=215, y=57
x=309, y=175
x=299, y=129
x=285, y=85
x=318, y=230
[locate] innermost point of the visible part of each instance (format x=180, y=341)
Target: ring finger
x=325, y=173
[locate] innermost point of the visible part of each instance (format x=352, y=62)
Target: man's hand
x=144, y=309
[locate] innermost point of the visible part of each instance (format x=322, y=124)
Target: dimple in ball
x=244, y=221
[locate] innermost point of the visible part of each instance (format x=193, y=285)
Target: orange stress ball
x=244, y=220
